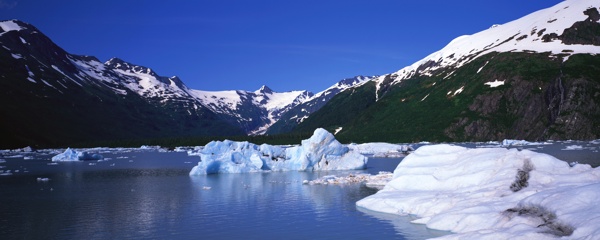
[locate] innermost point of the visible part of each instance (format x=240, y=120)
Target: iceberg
x=320, y=152
x=72, y=155
x=493, y=193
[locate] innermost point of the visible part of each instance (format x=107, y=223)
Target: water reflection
x=403, y=225
x=141, y=195
x=153, y=197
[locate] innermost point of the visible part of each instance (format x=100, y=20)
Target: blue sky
x=244, y=44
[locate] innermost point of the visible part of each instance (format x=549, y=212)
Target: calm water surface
x=146, y=194
x=149, y=195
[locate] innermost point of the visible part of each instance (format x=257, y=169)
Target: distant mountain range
x=51, y=97
x=533, y=78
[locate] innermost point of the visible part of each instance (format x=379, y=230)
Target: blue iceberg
x=320, y=152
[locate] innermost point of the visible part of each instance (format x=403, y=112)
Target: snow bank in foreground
x=72, y=155
x=319, y=152
x=493, y=193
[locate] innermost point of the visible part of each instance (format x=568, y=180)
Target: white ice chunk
x=72, y=155
x=382, y=149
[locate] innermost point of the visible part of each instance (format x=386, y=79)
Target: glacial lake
x=147, y=194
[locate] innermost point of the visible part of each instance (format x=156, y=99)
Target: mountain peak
x=115, y=62
x=265, y=90
x=120, y=64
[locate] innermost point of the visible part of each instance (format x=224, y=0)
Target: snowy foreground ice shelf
x=320, y=152
x=493, y=193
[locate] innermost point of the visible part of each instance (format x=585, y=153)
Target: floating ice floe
x=382, y=149
x=72, y=155
x=195, y=151
x=574, y=147
x=493, y=193
x=156, y=148
x=320, y=152
x=374, y=181
x=391, y=154
x=512, y=142
x=27, y=149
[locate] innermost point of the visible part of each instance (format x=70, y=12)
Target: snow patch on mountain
x=146, y=82
x=93, y=69
x=10, y=25
x=218, y=101
x=341, y=86
x=275, y=100
x=495, y=83
x=277, y=104
x=258, y=110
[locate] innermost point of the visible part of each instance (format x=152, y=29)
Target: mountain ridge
x=471, y=100
x=39, y=69
x=520, y=35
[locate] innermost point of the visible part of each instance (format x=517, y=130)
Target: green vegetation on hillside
x=539, y=100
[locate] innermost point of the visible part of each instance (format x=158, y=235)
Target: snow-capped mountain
x=302, y=111
x=567, y=28
x=253, y=111
x=51, y=97
x=532, y=78
x=145, y=82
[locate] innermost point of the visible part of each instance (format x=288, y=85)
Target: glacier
x=73, y=155
x=318, y=153
x=492, y=193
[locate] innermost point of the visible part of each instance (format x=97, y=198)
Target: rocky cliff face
x=562, y=103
